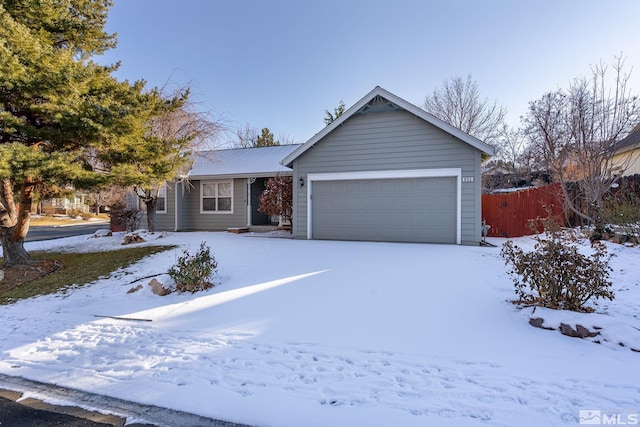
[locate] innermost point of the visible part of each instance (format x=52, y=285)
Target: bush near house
x=555, y=274
x=277, y=198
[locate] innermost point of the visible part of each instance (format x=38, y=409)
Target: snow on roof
x=241, y=162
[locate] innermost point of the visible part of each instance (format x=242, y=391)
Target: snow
x=317, y=333
x=258, y=161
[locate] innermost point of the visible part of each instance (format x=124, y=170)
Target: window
x=216, y=197
x=161, y=202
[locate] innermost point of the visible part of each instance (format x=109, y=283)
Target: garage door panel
x=404, y=210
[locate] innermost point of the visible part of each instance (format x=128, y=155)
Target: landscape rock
x=104, y=232
x=579, y=332
x=132, y=238
x=134, y=289
x=158, y=289
x=537, y=322
x=585, y=332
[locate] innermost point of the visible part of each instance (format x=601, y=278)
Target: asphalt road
x=19, y=415
x=37, y=233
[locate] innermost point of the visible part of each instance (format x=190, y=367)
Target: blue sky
x=280, y=64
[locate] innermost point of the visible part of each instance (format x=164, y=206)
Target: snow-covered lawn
x=320, y=333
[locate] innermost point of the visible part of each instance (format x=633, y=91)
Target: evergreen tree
x=266, y=139
x=60, y=112
x=337, y=112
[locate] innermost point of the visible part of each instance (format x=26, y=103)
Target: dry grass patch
x=74, y=269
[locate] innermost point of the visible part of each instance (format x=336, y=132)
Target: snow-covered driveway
x=314, y=333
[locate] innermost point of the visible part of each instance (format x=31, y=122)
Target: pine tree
x=60, y=112
x=266, y=139
x=337, y=112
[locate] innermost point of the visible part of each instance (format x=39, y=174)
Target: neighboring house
x=221, y=190
x=387, y=170
x=72, y=204
x=627, y=154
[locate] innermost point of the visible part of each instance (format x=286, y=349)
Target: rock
x=585, y=333
x=568, y=330
x=579, y=332
x=104, y=232
x=132, y=238
x=134, y=289
x=158, y=289
x=1, y=275
x=536, y=322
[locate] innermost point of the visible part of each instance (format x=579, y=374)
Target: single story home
x=626, y=158
x=221, y=190
x=385, y=170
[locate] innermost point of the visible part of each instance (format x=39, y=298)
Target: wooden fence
x=508, y=214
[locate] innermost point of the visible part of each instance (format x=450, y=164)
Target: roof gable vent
x=378, y=105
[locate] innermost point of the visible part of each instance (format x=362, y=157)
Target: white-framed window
x=161, y=202
x=216, y=197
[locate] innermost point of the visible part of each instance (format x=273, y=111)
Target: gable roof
x=486, y=149
x=240, y=162
x=630, y=142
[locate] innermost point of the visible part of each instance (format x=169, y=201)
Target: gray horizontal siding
x=166, y=221
x=191, y=218
x=394, y=140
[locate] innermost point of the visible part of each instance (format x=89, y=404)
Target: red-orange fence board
x=508, y=214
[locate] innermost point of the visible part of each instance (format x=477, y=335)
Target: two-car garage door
x=422, y=209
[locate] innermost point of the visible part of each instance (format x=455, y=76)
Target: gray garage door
x=388, y=210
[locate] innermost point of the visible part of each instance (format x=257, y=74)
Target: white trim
x=248, y=202
x=166, y=199
x=175, y=203
x=216, y=181
x=391, y=174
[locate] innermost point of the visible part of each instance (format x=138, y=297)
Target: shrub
x=277, y=198
x=129, y=219
x=556, y=275
x=621, y=212
x=193, y=272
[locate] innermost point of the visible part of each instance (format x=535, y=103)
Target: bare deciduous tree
x=245, y=137
x=458, y=103
x=173, y=137
x=511, y=146
x=112, y=196
x=572, y=132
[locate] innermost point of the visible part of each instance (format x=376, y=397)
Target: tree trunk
x=12, y=236
x=13, y=250
x=150, y=204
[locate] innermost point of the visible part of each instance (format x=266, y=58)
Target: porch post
x=249, y=202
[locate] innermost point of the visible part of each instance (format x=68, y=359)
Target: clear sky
x=281, y=63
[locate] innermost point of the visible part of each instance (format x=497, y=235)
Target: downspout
x=175, y=195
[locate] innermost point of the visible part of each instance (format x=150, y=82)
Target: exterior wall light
x=301, y=181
